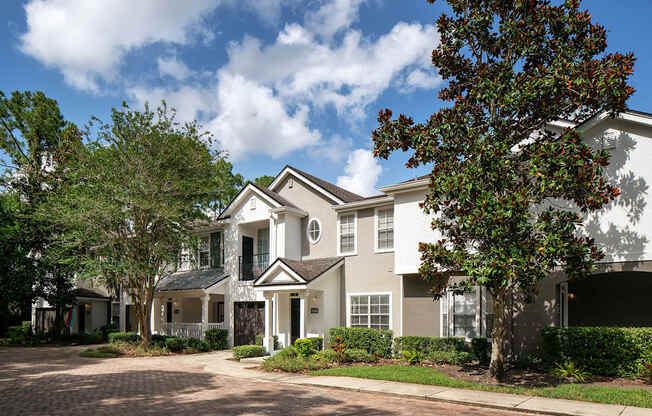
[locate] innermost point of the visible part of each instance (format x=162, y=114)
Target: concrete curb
x=475, y=398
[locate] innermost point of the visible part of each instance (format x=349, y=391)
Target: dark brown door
x=82, y=319
x=249, y=321
x=295, y=319
x=168, y=312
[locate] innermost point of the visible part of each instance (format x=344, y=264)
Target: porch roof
x=82, y=292
x=308, y=270
x=192, y=280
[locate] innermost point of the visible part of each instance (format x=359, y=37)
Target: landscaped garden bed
x=128, y=344
x=452, y=363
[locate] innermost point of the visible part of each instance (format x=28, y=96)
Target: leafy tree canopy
x=131, y=196
x=264, y=181
x=511, y=67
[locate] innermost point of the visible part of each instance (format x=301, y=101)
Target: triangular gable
x=243, y=195
x=279, y=273
x=289, y=171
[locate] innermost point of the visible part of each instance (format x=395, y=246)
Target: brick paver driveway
x=55, y=381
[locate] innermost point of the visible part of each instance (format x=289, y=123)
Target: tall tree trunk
x=498, y=337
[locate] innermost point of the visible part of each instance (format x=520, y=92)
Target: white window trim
x=480, y=313
x=348, y=305
x=355, y=234
x=376, y=249
x=321, y=230
x=199, y=266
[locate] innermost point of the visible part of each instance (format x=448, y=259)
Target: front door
x=82, y=319
x=295, y=319
x=247, y=258
x=168, y=312
x=249, y=321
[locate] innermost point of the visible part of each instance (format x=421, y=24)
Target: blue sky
x=276, y=81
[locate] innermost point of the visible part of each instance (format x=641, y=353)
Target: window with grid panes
x=370, y=311
x=204, y=252
x=347, y=233
x=385, y=231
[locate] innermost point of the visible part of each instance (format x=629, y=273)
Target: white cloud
x=87, y=41
x=420, y=78
x=173, y=67
x=362, y=172
x=335, y=149
x=333, y=16
x=253, y=120
x=348, y=76
x=267, y=10
x=191, y=102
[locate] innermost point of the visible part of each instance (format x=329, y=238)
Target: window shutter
x=216, y=249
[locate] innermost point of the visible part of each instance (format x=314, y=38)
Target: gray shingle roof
x=341, y=193
x=82, y=292
x=309, y=270
x=194, y=279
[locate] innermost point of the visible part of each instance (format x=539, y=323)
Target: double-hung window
x=347, y=243
x=384, y=229
x=204, y=252
x=468, y=315
x=370, y=311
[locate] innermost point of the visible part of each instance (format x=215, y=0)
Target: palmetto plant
x=568, y=370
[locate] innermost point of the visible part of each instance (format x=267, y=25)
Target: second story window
x=384, y=229
x=204, y=252
x=217, y=249
x=346, y=243
x=314, y=230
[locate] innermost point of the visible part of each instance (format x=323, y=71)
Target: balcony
x=251, y=267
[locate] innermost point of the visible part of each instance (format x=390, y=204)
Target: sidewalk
x=540, y=405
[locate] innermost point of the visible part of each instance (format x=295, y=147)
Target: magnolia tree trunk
x=498, y=336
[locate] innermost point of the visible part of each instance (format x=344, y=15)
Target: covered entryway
x=249, y=321
x=302, y=299
x=608, y=299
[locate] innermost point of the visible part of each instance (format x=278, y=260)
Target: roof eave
x=367, y=203
x=406, y=186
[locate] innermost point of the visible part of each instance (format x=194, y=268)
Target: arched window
x=314, y=230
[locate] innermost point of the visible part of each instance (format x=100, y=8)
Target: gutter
x=365, y=203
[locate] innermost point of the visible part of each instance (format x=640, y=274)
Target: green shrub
x=203, y=346
x=377, y=342
x=159, y=340
x=426, y=345
x=217, y=338
x=259, y=339
x=293, y=364
x=607, y=351
x=287, y=352
x=450, y=357
x=304, y=347
x=247, y=351
x=326, y=356
x=569, y=370
x=174, y=344
x=108, y=329
x=413, y=357
x=317, y=343
x=481, y=348
x=191, y=343
x=124, y=337
x=356, y=355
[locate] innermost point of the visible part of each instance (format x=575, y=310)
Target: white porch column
x=268, y=341
x=204, y=312
x=155, y=315
x=302, y=314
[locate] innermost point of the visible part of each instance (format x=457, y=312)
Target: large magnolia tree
x=511, y=67
x=130, y=196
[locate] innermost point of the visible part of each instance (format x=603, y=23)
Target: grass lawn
x=91, y=353
x=422, y=375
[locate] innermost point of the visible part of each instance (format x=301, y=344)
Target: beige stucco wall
x=370, y=272
x=317, y=206
x=421, y=315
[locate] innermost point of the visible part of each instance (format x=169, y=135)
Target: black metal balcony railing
x=251, y=267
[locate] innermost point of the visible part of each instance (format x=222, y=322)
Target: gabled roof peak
x=333, y=192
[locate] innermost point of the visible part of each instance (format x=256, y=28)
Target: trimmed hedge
x=174, y=344
x=124, y=337
x=377, y=342
x=600, y=350
x=247, y=351
x=217, y=338
x=304, y=347
x=317, y=343
x=426, y=345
